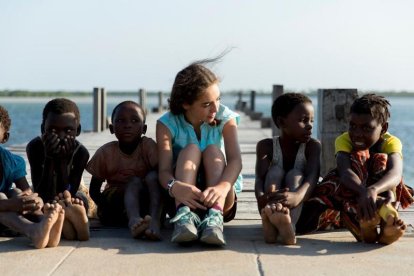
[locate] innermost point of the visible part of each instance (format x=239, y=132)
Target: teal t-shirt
x=183, y=133
x=14, y=168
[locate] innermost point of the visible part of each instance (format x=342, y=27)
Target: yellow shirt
x=390, y=145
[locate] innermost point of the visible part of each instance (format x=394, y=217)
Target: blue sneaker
x=211, y=228
x=185, y=225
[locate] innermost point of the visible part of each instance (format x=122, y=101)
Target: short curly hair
x=60, y=106
x=125, y=103
x=374, y=105
x=285, y=103
x=5, y=119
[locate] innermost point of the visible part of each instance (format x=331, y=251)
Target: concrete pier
x=111, y=251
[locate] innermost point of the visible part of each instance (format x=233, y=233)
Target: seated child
x=57, y=161
x=129, y=166
x=367, y=179
x=287, y=167
x=17, y=203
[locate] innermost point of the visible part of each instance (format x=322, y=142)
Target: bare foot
x=369, y=233
x=153, y=231
x=40, y=232
x=279, y=216
x=137, y=226
x=76, y=220
x=392, y=231
x=56, y=231
x=270, y=232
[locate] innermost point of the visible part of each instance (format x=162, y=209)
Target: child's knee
x=3, y=196
x=213, y=152
x=151, y=177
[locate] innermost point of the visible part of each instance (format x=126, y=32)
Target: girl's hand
x=212, y=195
x=187, y=194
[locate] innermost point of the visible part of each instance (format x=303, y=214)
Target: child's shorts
x=111, y=208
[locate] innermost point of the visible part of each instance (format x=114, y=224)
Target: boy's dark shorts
x=111, y=208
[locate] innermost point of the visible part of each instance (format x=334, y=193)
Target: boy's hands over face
x=51, y=144
x=367, y=204
x=55, y=147
x=68, y=146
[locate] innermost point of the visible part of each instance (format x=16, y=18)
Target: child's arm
x=42, y=170
x=347, y=177
x=183, y=192
x=263, y=157
x=79, y=164
x=95, y=189
x=23, y=185
x=393, y=174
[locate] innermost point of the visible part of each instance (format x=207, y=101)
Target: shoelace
x=188, y=215
x=212, y=219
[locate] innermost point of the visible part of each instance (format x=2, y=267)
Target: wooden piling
x=276, y=92
x=142, y=95
x=97, y=109
x=104, y=124
x=333, y=112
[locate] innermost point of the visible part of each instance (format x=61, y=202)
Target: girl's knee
x=3, y=196
x=191, y=148
x=213, y=150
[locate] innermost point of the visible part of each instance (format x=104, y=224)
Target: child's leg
x=76, y=220
x=212, y=226
x=273, y=182
x=56, y=231
x=188, y=164
x=137, y=225
x=274, y=179
x=279, y=216
x=270, y=232
x=293, y=180
x=155, y=208
x=37, y=232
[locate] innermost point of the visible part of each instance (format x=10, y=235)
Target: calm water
x=26, y=115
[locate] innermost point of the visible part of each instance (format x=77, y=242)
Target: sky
x=126, y=45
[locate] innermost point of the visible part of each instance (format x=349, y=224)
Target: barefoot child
x=16, y=204
x=57, y=161
x=287, y=167
x=129, y=168
x=368, y=177
x=200, y=159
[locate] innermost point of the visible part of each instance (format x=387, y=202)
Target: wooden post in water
x=333, y=112
x=160, y=102
x=276, y=92
x=252, y=100
x=97, y=109
x=142, y=94
x=103, y=109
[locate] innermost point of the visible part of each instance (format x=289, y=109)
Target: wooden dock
x=250, y=132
